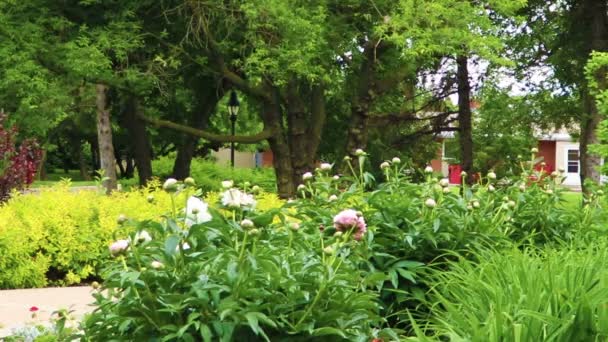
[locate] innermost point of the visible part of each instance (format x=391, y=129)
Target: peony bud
x=385, y=165
x=534, y=150
x=332, y=198
x=428, y=169
x=95, y=285
x=326, y=167
x=511, y=204
x=446, y=190
x=227, y=184
x=396, y=160
x=118, y=247
x=491, y=188
x=430, y=203
x=253, y=232
x=463, y=174
x=491, y=175
x=150, y=198
x=522, y=187
x=329, y=250
x=301, y=187
x=444, y=182
x=294, y=226
x=359, y=152
x=549, y=191
x=561, y=170
x=469, y=207
x=255, y=189
x=157, y=265
x=554, y=174
x=336, y=177
x=475, y=204
x=189, y=181
x=170, y=185
x=247, y=223
x=122, y=218
x=307, y=176
x=347, y=158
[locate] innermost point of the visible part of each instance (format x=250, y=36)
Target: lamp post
x=233, y=110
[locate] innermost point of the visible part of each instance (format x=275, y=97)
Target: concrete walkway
x=15, y=305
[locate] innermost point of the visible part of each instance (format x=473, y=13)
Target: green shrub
x=522, y=295
x=230, y=281
x=209, y=174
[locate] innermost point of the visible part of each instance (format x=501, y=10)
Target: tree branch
x=245, y=139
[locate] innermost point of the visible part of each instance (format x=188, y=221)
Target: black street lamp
x=233, y=110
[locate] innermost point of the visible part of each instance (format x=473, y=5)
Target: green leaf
x=171, y=244
x=328, y=331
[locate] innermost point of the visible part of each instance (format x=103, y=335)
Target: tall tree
x=104, y=138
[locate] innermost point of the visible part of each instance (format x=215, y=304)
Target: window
x=573, y=161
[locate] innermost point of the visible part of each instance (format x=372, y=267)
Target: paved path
x=15, y=305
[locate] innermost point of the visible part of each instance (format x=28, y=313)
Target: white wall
x=241, y=159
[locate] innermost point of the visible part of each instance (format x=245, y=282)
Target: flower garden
x=353, y=258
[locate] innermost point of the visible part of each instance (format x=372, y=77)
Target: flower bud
x=444, y=182
x=463, y=174
x=150, y=198
x=396, y=160
x=301, y=187
x=247, y=223
x=338, y=234
x=430, y=203
x=384, y=165
x=190, y=181
x=600, y=192
x=491, y=188
x=347, y=158
x=326, y=167
x=336, y=177
x=428, y=169
x=253, y=232
x=122, y=218
x=522, y=187
x=332, y=198
x=255, y=189
x=329, y=250
x=307, y=176
x=227, y=184
x=491, y=175
x=157, y=265
x=475, y=204
x=549, y=191
x=118, y=247
x=511, y=204
x=359, y=152
x=554, y=174
x=561, y=170
x=170, y=185
x=446, y=190
x=534, y=150
x=294, y=226
x=469, y=207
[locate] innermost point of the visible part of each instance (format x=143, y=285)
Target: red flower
x=34, y=309
x=377, y=340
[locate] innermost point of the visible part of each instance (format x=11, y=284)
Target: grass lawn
x=74, y=176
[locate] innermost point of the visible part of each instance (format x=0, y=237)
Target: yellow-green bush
x=61, y=237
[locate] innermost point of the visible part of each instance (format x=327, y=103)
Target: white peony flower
x=227, y=184
x=306, y=176
x=197, y=211
x=430, y=203
x=326, y=167
x=142, y=236
x=234, y=198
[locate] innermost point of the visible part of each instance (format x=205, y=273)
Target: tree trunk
x=142, y=151
x=42, y=174
x=591, y=162
x=199, y=119
x=82, y=165
x=302, y=158
x=464, y=118
x=104, y=138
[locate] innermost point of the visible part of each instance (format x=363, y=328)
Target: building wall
x=241, y=159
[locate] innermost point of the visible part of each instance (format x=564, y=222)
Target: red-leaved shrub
x=18, y=164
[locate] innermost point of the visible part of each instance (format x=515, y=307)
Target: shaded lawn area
x=75, y=179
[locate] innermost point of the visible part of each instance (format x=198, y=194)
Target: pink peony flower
x=119, y=247
x=349, y=219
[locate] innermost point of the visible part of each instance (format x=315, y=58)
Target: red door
x=454, y=173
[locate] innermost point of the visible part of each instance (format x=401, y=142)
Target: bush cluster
x=59, y=237
x=209, y=174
